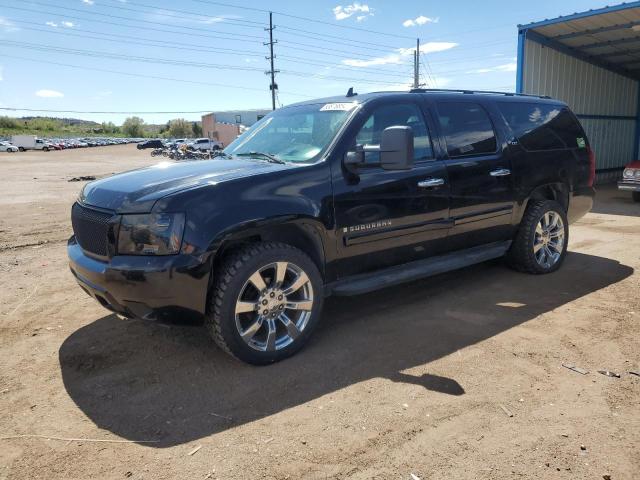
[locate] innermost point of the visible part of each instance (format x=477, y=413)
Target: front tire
x=540, y=245
x=635, y=196
x=265, y=303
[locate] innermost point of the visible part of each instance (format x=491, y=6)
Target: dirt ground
x=408, y=380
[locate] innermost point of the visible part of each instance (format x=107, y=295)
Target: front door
x=480, y=177
x=384, y=217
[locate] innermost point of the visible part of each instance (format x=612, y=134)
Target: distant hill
x=54, y=127
x=64, y=121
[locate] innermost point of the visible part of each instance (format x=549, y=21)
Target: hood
x=136, y=191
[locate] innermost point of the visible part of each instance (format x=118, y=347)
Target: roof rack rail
x=469, y=92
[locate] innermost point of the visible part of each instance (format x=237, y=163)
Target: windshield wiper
x=266, y=156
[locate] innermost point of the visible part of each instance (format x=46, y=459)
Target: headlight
x=151, y=234
x=629, y=172
x=637, y=172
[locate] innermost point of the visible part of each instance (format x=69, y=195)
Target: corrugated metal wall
x=588, y=90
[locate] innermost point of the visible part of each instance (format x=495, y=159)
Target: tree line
x=131, y=127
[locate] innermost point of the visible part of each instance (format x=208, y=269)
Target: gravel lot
x=412, y=379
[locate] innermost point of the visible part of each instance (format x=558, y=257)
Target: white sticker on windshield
x=338, y=106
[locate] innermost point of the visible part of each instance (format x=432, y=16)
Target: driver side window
x=393, y=115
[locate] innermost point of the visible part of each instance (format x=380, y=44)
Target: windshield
x=294, y=134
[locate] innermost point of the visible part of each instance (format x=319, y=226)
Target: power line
x=205, y=49
x=314, y=20
x=88, y=12
x=305, y=33
x=163, y=10
x=166, y=44
x=115, y=56
x=361, y=45
x=317, y=50
x=191, y=34
x=165, y=61
x=140, y=75
x=283, y=27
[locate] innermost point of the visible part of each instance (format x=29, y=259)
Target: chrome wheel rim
x=548, y=244
x=274, y=306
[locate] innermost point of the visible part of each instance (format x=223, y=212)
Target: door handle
x=431, y=182
x=501, y=172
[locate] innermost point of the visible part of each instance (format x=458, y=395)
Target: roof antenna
x=350, y=92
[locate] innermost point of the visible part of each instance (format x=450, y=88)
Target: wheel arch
x=305, y=234
x=557, y=191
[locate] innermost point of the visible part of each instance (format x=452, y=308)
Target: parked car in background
x=205, y=144
x=631, y=180
x=30, y=142
x=151, y=144
x=380, y=189
x=7, y=147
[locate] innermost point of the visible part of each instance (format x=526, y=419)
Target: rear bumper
x=580, y=203
x=143, y=286
x=629, y=186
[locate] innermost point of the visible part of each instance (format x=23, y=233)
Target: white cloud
x=401, y=55
x=49, y=94
x=67, y=24
x=7, y=26
x=507, y=67
x=88, y=2
x=421, y=20
x=52, y=24
x=342, y=12
x=219, y=19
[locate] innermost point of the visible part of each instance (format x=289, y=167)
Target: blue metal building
x=591, y=61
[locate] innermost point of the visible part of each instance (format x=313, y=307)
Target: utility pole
x=416, y=65
x=273, y=86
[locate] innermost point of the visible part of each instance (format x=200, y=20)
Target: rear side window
x=543, y=126
x=467, y=129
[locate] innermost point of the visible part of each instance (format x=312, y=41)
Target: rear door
x=384, y=217
x=479, y=171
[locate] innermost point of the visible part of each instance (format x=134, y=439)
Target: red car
x=631, y=180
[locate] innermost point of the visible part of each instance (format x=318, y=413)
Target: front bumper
x=143, y=286
x=629, y=186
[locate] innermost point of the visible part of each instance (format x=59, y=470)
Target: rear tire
x=540, y=245
x=635, y=196
x=265, y=303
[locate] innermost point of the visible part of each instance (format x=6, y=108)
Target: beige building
x=222, y=132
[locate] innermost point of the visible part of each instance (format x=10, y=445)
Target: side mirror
x=396, y=148
x=354, y=158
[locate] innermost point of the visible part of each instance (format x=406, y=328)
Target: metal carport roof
x=608, y=37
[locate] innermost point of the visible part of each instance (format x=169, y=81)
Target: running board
x=368, y=282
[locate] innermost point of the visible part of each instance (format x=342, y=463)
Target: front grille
x=91, y=228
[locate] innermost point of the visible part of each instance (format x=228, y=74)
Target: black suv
x=151, y=144
x=337, y=196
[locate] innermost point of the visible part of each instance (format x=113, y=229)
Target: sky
x=187, y=56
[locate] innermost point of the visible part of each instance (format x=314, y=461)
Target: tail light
x=592, y=166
